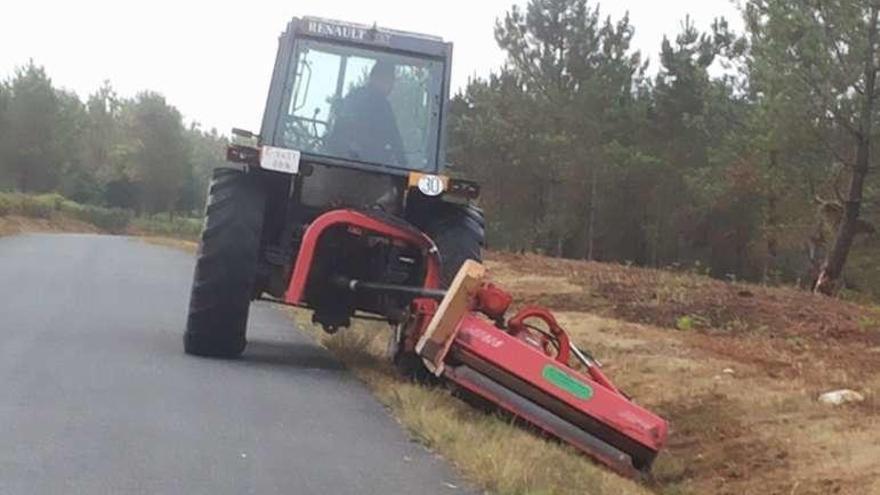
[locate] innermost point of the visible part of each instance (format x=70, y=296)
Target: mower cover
x=526, y=370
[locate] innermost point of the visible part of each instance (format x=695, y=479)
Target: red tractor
x=340, y=205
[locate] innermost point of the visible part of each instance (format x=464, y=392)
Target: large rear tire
x=226, y=267
x=459, y=233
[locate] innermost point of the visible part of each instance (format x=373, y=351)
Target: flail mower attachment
x=526, y=370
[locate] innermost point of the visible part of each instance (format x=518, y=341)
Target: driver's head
x=382, y=77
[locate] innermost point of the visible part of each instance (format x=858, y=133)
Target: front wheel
x=226, y=265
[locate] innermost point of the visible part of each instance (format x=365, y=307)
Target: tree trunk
x=591, y=227
x=772, y=221
x=832, y=268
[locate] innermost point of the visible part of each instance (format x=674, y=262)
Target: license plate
x=280, y=160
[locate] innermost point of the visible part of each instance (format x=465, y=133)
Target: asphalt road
x=97, y=397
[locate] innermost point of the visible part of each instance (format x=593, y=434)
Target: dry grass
x=14, y=224
x=487, y=450
x=179, y=244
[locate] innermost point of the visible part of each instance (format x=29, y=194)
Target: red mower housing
x=536, y=374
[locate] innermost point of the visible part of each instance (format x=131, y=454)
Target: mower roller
x=340, y=205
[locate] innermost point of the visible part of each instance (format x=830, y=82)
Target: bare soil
x=735, y=368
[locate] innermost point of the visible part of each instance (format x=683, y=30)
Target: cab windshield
x=364, y=105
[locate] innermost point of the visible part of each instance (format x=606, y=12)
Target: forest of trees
x=741, y=155
x=111, y=151
x=744, y=155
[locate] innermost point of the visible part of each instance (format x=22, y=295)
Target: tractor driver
x=365, y=126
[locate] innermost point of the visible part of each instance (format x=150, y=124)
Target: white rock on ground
x=838, y=397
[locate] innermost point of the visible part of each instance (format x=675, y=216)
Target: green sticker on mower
x=567, y=382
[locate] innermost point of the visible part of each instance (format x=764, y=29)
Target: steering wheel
x=302, y=132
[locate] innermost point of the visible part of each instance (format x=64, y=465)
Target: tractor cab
x=356, y=117
x=359, y=97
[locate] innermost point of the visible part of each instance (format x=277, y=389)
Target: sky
x=213, y=59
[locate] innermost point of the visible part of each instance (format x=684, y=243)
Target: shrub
x=6, y=205
x=113, y=220
x=40, y=206
x=37, y=206
x=684, y=323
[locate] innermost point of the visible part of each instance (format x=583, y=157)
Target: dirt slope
x=735, y=368
x=12, y=224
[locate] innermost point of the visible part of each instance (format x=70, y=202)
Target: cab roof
x=329, y=29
